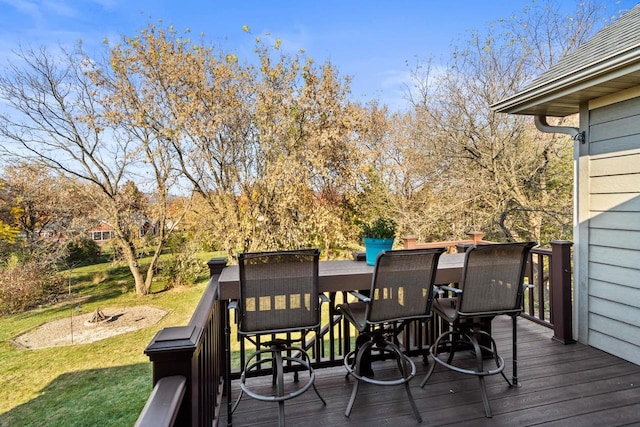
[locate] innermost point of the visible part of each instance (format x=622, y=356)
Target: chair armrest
x=324, y=298
x=527, y=286
x=233, y=305
x=361, y=297
x=441, y=289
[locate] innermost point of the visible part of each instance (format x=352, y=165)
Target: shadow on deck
x=560, y=384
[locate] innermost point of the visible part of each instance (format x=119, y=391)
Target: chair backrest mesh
x=278, y=291
x=492, y=280
x=402, y=285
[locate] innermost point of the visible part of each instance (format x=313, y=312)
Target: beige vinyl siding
x=627, y=221
x=616, y=238
x=614, y=229
x=606, y=166
x=626, y=202
x=603, y=290
x=617, y=183
x=615, y=129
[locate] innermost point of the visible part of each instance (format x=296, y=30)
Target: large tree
x=266, y=142
x=501, y=176
x=63, y=117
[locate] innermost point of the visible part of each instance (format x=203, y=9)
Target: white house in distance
x=601, y=82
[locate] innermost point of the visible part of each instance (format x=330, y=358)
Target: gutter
x=543, y=126
x=623, y=60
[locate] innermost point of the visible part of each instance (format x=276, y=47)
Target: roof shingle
x=609, y=62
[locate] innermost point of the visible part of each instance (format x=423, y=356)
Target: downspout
x=543, y=126
x=579, y=313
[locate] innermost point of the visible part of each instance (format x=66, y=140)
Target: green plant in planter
x=382, y=228
x=377, y=237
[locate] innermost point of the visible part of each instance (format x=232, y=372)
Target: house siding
x=613, y=254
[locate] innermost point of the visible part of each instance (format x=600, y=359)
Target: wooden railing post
x=171, y=351
x=476, y=236
x=409, y=242
x=562, y=303
x=216, y=265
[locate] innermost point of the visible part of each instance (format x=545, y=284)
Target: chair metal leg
x=497, y=360
x=279, y=374
x=237, y=402
x=274, y=370
x=514, y=378
x=402, y=365
x=480, y=369
x=485, y=398
x=402, y=361
x=452, y=348
x=352, y=400
x=412, y=402
x=281, y=413
x=304, y=356
x=431, y=369
x=319, y=396
x=434, y=353
x=365, y=347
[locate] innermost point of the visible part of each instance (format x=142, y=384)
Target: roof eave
x=531, y=100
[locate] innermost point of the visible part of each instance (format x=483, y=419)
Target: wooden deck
x=561, y=385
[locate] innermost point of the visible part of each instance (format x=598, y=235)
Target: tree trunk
x=129, y=254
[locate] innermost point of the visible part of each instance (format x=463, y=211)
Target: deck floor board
x=561, y=385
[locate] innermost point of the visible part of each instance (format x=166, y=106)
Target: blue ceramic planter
x=374, y=246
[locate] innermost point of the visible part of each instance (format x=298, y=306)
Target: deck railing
x=475, y=238
x=195, y=352
x=549, y=302
x=195, y=355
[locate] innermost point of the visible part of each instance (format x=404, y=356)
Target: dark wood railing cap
x=162, y=407
x=216, y=265
x=561, y=242
x=174, y=339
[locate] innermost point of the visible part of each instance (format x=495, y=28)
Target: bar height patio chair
x=278, y=295
x=492, y=285
x=401, y=292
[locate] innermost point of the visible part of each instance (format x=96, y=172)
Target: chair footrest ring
x=350, y=364
x=500, y=365
x=272, y=398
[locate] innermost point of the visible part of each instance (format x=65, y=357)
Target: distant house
x=51, y=232
x=601, y=82
x=101, y=233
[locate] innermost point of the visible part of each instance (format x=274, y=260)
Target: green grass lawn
x=105, y=383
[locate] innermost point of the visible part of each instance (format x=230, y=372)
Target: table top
x=346, y=275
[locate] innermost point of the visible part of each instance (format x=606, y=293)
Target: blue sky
x=369, y=40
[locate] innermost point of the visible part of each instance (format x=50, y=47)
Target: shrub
x=82, y=251
x=184, y=267
x=24, y=285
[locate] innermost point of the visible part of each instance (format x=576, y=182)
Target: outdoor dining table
x=334, y=276
x=345, y=275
